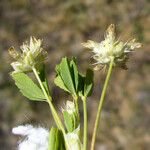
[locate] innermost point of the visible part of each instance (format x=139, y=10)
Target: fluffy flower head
x=31, y=55
x=69, y=107
x=35, y=138
x=110, y=48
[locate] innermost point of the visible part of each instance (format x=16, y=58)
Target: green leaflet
x=74, y=73
x=67, y=75
x=71, y=121
x=88, y=83
x=27, y=87
x=58, y=81
x=56, y=140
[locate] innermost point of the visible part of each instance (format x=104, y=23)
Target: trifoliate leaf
x=27, y=87
x=69, y=79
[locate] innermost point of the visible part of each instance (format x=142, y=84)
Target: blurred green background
x=63, y=25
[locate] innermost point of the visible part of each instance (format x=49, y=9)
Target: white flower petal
x=22, y=130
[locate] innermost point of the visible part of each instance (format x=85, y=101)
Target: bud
x=73, y=141
x=111, y=48
x=70, y=116
x=31, y=55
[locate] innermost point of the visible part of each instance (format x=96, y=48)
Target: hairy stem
x=102, y=98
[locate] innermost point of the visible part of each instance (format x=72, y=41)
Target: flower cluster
x=31, y=55
x=36, y=138
x=110, y=48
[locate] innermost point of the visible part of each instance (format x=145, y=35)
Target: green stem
x=76, y=106
x=49, y=100
x=102, y=98
x=85, y=135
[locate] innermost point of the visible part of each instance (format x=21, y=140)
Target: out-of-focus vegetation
x=63, y=25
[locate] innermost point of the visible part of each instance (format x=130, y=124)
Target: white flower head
x=110, y=48
x=69, y=107
x=35, y=138
x=31, y=55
